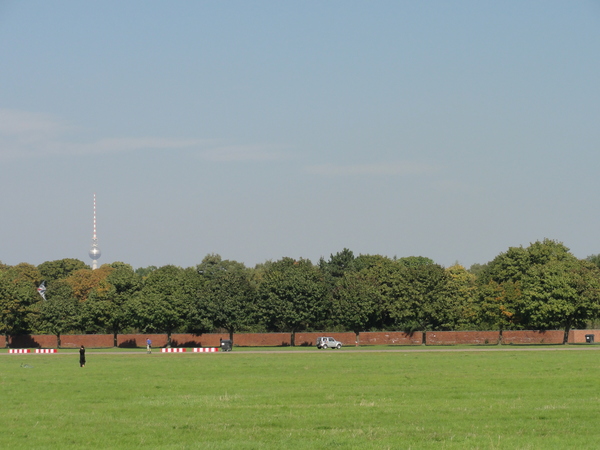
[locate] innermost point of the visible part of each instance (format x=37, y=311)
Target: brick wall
x=262, y=339
x=533, y=337
x=391, y=338
x=177, y=340
x=310, y=339
x=139, y=340
x=302, y=339
x=578, y=336
x=33, y=341
x=87, y=340
x=202, y=340
x=462, y=337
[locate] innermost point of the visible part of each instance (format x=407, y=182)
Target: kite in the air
x=42, y=289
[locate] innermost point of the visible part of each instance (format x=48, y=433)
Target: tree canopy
x=542, y=286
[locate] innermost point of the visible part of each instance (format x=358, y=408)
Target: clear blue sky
x=264, y=129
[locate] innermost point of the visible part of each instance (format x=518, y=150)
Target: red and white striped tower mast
x=94, y=251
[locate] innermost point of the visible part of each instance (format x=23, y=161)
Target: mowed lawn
x=303, y=400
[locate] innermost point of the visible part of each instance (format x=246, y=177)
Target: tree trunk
x=231, y=336
x=566, y=335
x=115, y=338
x=293, y=338
x=500, y=337
x=168, y=338
x=58, y=340
x=357, y=340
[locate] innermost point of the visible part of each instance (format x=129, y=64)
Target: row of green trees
x=540, y=287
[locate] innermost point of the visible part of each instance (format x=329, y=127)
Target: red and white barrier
x=206, y=350
x=172, y=350
x=19, y=350
x=45, y=350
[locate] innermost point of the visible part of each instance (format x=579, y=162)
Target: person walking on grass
x=148, y=346
x=82, y=356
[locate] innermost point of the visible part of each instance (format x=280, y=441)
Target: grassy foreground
x=312, y=400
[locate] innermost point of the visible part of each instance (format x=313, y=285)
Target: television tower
x=94, y=251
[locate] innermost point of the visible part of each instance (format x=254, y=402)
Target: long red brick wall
x=578, y=336
x=262, y=339
x=87, y=340
x=203, y=340
x=33, y=341
x=310, y=339
x=462, y=337
x=533, y=337
x=302, y=339
x=139, y=340
x=390, y=338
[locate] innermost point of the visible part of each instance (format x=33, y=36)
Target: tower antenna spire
x=94, y=251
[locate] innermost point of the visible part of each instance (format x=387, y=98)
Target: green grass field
x=303, y=400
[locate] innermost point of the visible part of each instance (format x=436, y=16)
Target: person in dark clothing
x=82, y=356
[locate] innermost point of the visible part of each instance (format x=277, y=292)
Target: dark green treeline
x=539, y=287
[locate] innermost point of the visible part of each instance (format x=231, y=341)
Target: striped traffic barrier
x=172, y=350
x=206, y=350
x=19, y=350
x=45, y=350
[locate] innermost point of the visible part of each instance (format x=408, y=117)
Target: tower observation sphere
x=95, y=252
